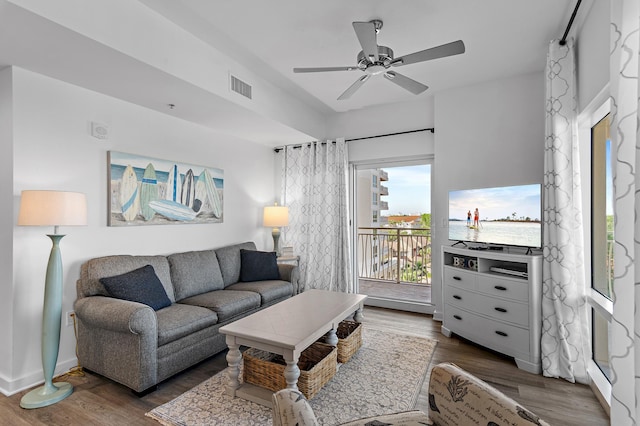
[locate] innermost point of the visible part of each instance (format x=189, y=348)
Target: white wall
x=53, y=149
x=490, y=134
x=382, y=120
x=6, y=224
x=592, y=51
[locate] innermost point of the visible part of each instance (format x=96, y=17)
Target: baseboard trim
x=10, y=387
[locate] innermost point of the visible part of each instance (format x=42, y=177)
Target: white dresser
x=493, y=299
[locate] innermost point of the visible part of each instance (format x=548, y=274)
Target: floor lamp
x=276, y=216
x=51, y=208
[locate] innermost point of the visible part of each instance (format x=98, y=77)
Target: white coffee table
x=287, y=328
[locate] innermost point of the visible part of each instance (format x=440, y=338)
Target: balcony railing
x=384, y=190
x=395, y=254
x=384, y=205
x=384, y=176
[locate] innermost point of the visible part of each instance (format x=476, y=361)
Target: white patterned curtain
x=624, y=354
x=314, y=179
x=565, y=345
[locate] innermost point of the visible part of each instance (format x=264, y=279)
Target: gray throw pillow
x=141, y=285
x=258, y=266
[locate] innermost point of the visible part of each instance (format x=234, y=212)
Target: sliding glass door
x=392, y=233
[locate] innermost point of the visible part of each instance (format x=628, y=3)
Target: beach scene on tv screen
x=507, y=215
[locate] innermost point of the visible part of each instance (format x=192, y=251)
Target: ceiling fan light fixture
x=374, y=59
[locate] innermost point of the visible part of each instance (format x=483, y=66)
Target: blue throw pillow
x=140, y=285
x=258, y=265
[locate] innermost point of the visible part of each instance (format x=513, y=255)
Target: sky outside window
x=409, y=190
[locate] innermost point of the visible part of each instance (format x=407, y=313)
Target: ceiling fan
x=374, y=60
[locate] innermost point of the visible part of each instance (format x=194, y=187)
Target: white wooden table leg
x=331, y=338
x=234, y=358
x=291, y=371
x=358, y=317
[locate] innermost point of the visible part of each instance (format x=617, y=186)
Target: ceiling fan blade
x=323, y=69
x=366, y=32
x=405, y=82
x=449, y=49
x=355, y=86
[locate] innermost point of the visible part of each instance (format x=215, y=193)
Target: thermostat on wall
x=99, y=131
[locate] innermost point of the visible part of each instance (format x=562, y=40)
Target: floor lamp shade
x=275, y=217
x=51, y=208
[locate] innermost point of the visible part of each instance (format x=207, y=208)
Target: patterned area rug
x=384, y=376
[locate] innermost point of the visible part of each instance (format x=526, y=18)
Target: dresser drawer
x=461, y=322
x=460, y=278
x=508, y=339
x=502, y=309
x=505, y=338
x=461, y=298
x=511, y=288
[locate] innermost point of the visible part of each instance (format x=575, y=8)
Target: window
x=601, y=327
x=375, y=199
x=601, y=209
x=602, y=241
x=375, y=181
x=375, y=216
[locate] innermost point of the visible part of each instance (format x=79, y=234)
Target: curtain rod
x=563, y=40
x=429, y=129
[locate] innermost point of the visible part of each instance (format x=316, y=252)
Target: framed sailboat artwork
x=151, y=191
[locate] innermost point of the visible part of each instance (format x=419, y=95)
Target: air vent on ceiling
x=240, y=87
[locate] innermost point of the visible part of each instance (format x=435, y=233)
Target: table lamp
x=51, y=208
x=276, y=216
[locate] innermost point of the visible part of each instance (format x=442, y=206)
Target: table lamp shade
x=275, y=216
x=52, y=208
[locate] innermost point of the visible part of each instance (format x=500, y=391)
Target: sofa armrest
x=115, y=314
x=118, y=339
x=455, y=394
x=291, y=273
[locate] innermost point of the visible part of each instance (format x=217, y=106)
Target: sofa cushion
x=269, y=291
x=178, y=320
x=91, y=271
x=195, y=272
x=227, y=304
x=258, y=265
x=229, y=261
x=141, y=285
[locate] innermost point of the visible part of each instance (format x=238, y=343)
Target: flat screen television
x=502, y=216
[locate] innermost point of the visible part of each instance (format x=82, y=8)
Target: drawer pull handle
x=501, y=288
x=503, y=310
x=458, y=317
x=455, y=296
x=501, y=333
x=457, y=278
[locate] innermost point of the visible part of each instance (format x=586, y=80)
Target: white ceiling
x=502, y=38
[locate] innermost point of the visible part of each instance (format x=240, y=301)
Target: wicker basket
x=317, y=366
x=349, y=339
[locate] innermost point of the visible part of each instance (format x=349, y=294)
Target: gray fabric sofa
x=138, y=347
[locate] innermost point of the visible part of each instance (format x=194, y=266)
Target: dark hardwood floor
x=99, y=401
